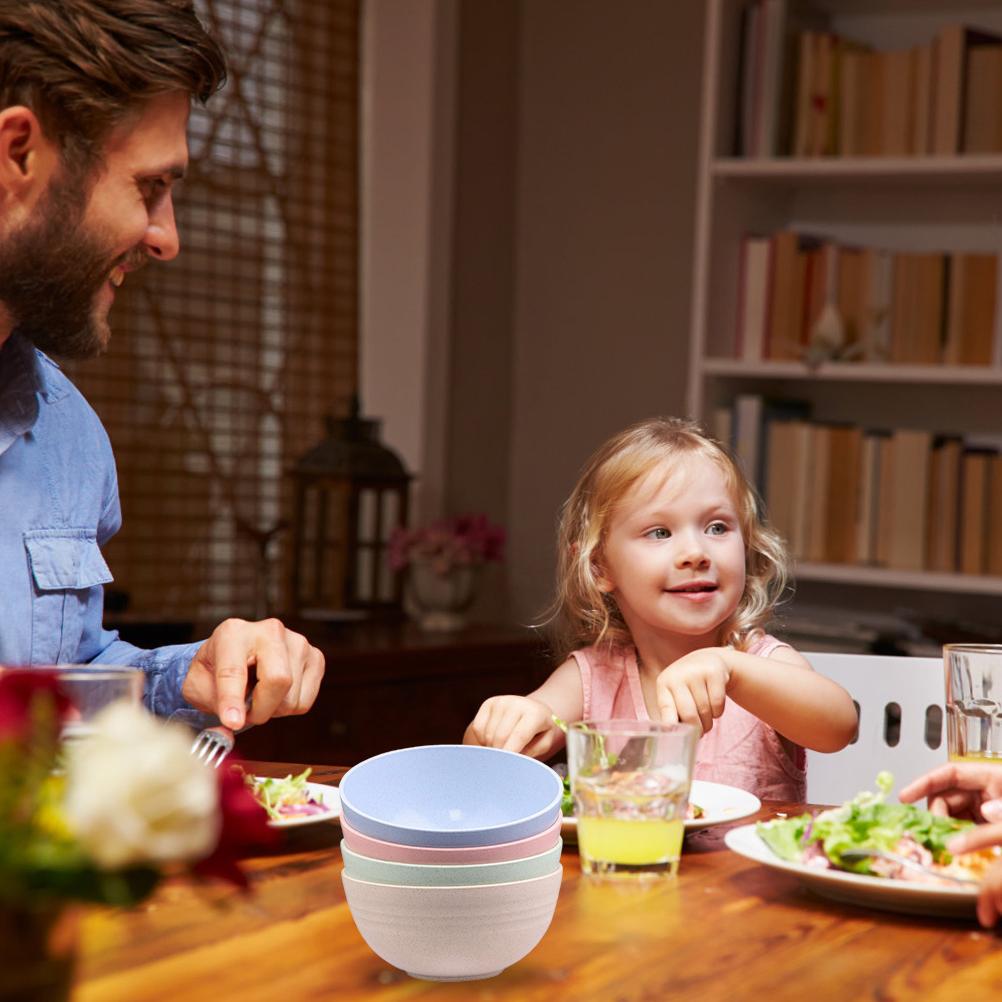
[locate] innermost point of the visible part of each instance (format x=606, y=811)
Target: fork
x=856, y=855
x=212, y=745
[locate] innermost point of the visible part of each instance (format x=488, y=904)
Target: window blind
x=223, y=363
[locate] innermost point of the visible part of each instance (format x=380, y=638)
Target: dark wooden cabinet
x=389, y=685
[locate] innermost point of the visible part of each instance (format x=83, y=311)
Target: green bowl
x=381, y=871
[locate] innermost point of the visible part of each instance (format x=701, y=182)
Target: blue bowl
x=450, y=795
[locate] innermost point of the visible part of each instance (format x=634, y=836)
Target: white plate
x=856, y=888
x=328, y=795
x=720, y=804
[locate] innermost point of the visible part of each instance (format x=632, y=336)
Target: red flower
x=244, y=827
x=20, y=692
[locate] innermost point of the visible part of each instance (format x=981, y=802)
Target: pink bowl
x=396, y=852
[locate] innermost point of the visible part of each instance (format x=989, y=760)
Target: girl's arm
x=782, y=690
x=524, y=723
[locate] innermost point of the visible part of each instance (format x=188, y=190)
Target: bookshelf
x=922, y=203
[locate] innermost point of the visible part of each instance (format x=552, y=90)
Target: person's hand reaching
x=971, y=790
x=513, y=723
x=287, y=670
x=693, y=688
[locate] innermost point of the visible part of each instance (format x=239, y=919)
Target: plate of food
x=828, y=851
x=709, y=804
x=293, y=801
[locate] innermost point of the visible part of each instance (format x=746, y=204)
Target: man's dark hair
x=84, y=65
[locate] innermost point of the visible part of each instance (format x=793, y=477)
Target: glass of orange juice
x=630, y=782
x=974, y=701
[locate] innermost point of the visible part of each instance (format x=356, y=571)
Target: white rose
x=136, y=795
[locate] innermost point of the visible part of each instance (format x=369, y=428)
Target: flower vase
x=38, y=948
x=441, y=601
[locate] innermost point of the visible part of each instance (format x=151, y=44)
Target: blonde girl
x=666, y=577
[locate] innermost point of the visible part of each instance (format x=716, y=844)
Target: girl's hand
x=692, y=689
x=512, y=723
x=970, y=790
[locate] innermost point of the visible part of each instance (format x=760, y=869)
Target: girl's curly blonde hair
x=582, y=614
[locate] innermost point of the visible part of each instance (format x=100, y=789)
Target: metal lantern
x=351, y=492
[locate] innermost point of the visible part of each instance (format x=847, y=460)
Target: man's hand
x=968, y=790
x=961, y=789
x=692, y=689
x=288, y=672
x=513, y=723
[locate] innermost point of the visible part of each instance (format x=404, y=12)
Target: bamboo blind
x=223, y=363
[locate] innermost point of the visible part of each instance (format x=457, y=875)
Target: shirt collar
x=24, y=376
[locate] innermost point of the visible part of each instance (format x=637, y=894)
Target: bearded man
x=94, y=104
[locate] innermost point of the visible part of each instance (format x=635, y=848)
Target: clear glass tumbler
x=630, y=781
x=974, y=701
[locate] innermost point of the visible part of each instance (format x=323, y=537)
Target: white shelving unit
x=934, y=203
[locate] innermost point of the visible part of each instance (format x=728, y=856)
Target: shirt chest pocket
x=67, y=572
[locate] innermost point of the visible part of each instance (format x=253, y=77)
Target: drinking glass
x=630, y=781
x=90, y=688
x=974, y=701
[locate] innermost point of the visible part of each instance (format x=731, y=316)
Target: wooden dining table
x=725, y=928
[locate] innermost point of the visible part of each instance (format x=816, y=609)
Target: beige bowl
x=453, y=933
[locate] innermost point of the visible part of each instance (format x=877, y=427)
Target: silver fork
x=212, y=745
x=856, y=855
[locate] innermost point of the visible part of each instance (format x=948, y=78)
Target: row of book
x=906, y=499
x=803, y=297
x=810, y=92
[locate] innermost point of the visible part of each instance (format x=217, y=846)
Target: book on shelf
x=851, y=282
x=752, y=416
x=952, y=49
x=788, y=476
x=944, y=495
x=974, y=484
x=767, y=74
x=901, y=307
x=994, y=549
x=898, y=103
x=923, y=68
x=845, y=451
x=789, y=325
x=907, y=500
x=808, y=91
x=972, y=310
x=802, y=140
x=868, y=496
x=722, y=425
x=983, y=104
x=917, y=309
x=879, y=285
x=815, y=545
x=754, y=283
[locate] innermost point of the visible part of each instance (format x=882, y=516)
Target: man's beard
x=51, y=270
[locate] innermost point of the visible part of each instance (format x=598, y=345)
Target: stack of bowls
x=451, y=857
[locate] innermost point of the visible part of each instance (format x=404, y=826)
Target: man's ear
x=27, y=158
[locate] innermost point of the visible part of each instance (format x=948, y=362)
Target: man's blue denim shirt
x=58, y=505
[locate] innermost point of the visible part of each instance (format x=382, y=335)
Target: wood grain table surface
x=727, y=928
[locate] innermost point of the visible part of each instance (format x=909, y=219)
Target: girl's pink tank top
x=739, y=750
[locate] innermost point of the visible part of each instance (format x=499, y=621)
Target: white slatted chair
x=878, y=684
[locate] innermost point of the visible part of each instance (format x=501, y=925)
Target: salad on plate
x=290, y=797
x=869, y=822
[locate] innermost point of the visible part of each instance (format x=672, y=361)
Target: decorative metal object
x=351, y=492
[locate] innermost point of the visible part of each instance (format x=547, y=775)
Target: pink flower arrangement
x=461, y=541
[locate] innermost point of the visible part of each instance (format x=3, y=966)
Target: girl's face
x=674, y=554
